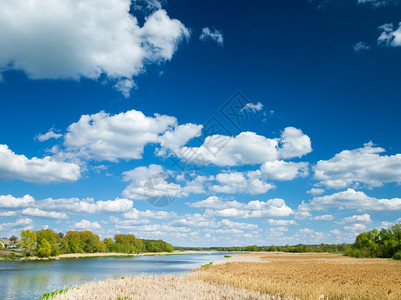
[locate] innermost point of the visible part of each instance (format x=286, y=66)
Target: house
x=5, y=243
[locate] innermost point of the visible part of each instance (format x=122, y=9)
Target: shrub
x=397, y=255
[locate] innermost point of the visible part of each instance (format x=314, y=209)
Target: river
x=31, y=279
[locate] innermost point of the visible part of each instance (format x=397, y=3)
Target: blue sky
x=201, y=123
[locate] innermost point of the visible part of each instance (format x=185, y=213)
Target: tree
x=108, y=242
x=28, y=242
x=45, y=249
x=51, y=237
x=1, y=246
x=13, y=239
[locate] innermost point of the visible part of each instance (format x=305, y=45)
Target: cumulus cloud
x=355, y=227
x=87, y=225
x=70, y=39
x=247, y=148
x=10, y=201
x=35, y=212
x=48, y=135
x=363, y=165
x=86, y=205
x=20, y=223
x=214, y=35
x=38, y=170
x=150, y=182
x=324, y=218
x=356, y=218
x=281, y=170
x=102, y=136
x=149, y=214
x=10, y=213
x=294, y=143
x=316, y=191
x=237, y=182
x=351, y=199
x=216, y=207
x=390, y=36
x=281, y=222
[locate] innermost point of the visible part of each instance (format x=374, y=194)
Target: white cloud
x=20, y=223
x=363, y=165
x=214, y=35
x=102, y=136
x=390, y=36
x=38, y=170
x=355, y=227
x=10, y=201
x=48, y=135
x=87, y=225
x=281, y=222
x=253, y=107
x=194, y=220
x=150, y=182
x=316, y=191
x=379, y=3
x=86, y=205
x=356, y=218
x=178, y=137
x=361, y=46
x=281, y=170
x=70, y=39
x=149, y=214
x=294, y=143
x=8, y=213
x=237, y=182
x=35, y=212
x=351, y=199
x=215, y=207
x=324, y=218
x=237, y=225
x=247, y=148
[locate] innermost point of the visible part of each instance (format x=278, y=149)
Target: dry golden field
x=167, y=287
x=311, y=276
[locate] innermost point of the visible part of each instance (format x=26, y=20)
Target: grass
x=311, y=275
x=51, y=295
x=227, y=256
x=207, y=265
x=168, y=287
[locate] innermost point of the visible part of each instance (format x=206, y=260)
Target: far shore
x=106, y=254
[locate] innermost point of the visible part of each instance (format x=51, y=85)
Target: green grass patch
x=51, y=295
x=207, y=265
x=228, y=256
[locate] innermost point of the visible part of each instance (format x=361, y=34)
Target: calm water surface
x=31, y=279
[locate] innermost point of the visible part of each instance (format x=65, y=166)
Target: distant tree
x=28, y=242
x=45, y=249
x=13, y=239
x=1, y=246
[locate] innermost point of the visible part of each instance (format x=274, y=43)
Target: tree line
x=385, y=243
x=45, y=243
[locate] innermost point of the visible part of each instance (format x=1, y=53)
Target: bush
x=397, y=255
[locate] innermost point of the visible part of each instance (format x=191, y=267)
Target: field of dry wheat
x=167, y=287
x=311, y=276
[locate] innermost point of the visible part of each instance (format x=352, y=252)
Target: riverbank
x=261, y=276
x=102, y=254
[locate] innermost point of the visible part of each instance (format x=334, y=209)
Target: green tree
x=28, y=242
x=51, y=237
x=108, y=242
x=13, y=239
x=45, y=249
